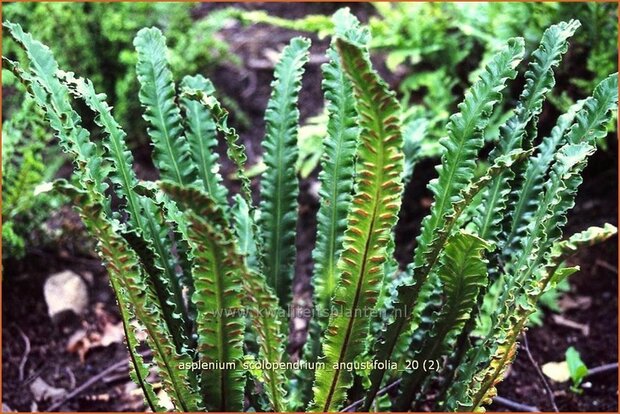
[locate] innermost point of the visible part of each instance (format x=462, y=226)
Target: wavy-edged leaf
x=590, y=117
x=279, y=186
x=124, y=266
x=592, y=121
x=51, y=96
x=157, y=96
x=589, y=237
x=464, y=140
x=528, y=274
x=560, y=250
x=463, y=272
x=262, y=304
x=336, y=178
x=235, y=150
x=202, y=137
x=539, y=80
x=143, y=215
x=139, y=369
x=257, y=298
x=518, y=132
x=532, y=180
x=217, y=272
x=374, y=211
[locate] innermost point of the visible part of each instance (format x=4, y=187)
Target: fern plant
x=203, y=276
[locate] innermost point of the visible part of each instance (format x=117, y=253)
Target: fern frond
x=279, y=186
x=157, y=96
x=590, y=118
x=463, y=272
x=139, y=369
x=142, y=212
x=518, y=132
x=217, y=273
x=539, y=80
x=544, y=229
x=591, y=236
x=562, y=249
x=336, y=178
x=53, y=98
x=464, y=140
x=262, y=304
x=202, y=138
x=532, y=180
x=257, y=297
x=125, y=268
x=235, y=151
x=373, y=213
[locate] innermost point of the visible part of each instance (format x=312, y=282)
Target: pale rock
x=65, y=291
x=42, y=391
x=557, y=371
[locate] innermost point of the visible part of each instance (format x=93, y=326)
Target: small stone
x=299, y=324
x=42, y=391
x=557, y=371
x=65, y=291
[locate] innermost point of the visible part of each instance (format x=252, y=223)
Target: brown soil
x=24, y=310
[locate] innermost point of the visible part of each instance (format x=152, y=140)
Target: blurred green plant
x=576, y=368
x=436, y=50
x=96, y=40
x=104, y=51
x=25, y=167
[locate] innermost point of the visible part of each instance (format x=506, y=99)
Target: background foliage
x=96, y=41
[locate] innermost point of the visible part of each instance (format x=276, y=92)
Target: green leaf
x=373, y=213
x=262, y=303
x=202, y=137
x=528, y=276
x=264, y=310
x=464, y=140
x=142, y=212
x=217, y=272
x=336, y=178
x=463, y=272
x=157, y=95
x=335, y=194
x=139, y=369
x=235, y=151
x=279, y=187
x=591, y=118
x=539, y=80
x=531, y=183
x=589, y=237
x=127, y=272
x=53, y=98
x=578, y=370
